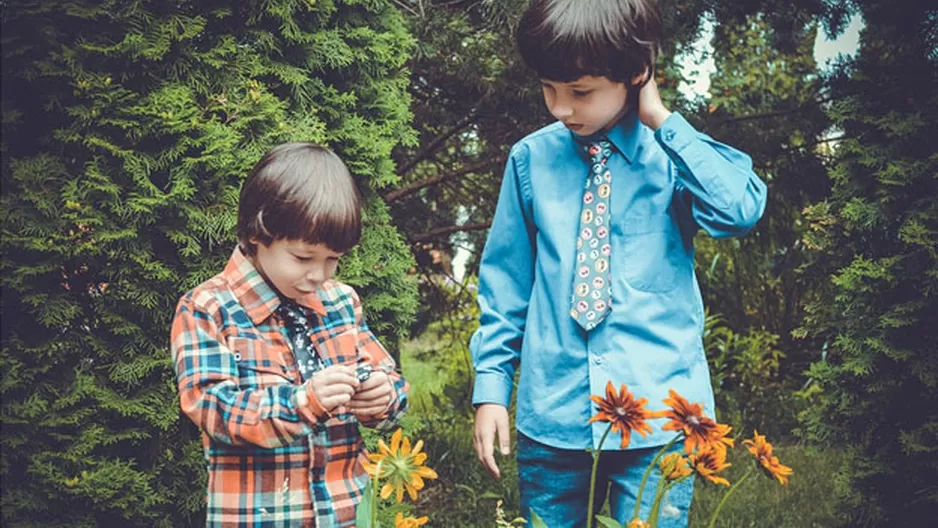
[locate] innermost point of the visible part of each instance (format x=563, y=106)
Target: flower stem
x=596, y=453
x=716, y=513
x=641, y=488
x=660, y=490
x=374, y=495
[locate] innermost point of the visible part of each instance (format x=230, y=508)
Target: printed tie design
x=592, y=289
x=298, y=330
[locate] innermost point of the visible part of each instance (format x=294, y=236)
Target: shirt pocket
x=260, y=364
x=650, y=252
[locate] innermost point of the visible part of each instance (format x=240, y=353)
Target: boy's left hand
x=651, y=110
x=373, y=396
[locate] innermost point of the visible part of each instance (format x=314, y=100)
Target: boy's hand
x=334, y=385
x=373, y=396
x=651, y=110
x=491, y=419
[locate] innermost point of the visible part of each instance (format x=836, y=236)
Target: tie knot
x=598, y=150
x=292, y=313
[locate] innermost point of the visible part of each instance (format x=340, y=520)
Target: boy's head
x=298, y=212
x=592, y=56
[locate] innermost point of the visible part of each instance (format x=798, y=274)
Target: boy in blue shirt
x=588, y=272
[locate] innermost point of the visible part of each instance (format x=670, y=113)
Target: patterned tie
x=592, y=289
x=298, y=331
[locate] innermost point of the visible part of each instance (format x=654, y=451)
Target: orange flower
x=409, y=522
x=710, y=461
x=637, y=523
x=401, y=467
x=762, y=450
x=698, y=429
x=673, y=467
x=623, y=411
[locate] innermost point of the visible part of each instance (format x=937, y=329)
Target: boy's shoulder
x=551, y=136
x=211, y=296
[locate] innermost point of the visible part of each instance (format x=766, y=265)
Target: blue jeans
x=556, y=483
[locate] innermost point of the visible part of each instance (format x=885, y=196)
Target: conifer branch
x=448, y=230
x=428, y=182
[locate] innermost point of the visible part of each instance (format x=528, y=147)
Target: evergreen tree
x=127, y=130
x=876, y=243
x=766, y=99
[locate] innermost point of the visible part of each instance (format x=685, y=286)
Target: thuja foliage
x=128, y=128
x=876, y=245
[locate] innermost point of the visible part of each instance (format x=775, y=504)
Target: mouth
x=576, y=127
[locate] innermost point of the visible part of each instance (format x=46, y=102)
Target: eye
x=581, y=93
x=302, y=259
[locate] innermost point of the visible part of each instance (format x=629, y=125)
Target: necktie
x=592, y=289
x=298, y=331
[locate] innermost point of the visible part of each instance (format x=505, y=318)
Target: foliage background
x=128, y=127
x=127, y=130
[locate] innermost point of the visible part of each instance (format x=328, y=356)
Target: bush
x=127, y=130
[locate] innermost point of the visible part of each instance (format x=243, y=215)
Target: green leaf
x=607, y=522
x=363, y=513
x=536, y=521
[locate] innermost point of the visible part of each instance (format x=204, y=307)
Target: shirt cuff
x=675, y=133
x=492, y=387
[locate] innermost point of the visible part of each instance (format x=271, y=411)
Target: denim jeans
x=555, y=483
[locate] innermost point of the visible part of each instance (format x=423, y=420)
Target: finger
x=339, y=374
x=373, y=393
x=368, y=412
x=331, y=402
x=487, y=455
x=504, y=437
x=380, y=402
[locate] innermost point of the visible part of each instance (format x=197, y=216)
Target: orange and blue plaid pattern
x=275, y=457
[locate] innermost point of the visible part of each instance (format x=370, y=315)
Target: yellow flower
x=624, y=412
x=710, y=461
x=673, y=467
x=409, y=522
x=699, y=431
x=762, y=450
x=401, y=467
x=637, y=523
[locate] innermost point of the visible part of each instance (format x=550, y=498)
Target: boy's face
x=587, y=105
x=296, y=268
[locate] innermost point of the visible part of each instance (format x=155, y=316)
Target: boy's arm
x=209, y=393
x=506, y=277
x=372, y=349
x=715, y=182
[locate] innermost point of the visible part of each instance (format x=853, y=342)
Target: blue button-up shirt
x=666, y=186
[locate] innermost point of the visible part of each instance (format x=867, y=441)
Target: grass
x=465, y=494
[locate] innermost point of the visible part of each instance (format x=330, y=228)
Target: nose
x=316, y=274
x=561, y=110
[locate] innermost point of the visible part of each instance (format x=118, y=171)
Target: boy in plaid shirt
x=273, y=359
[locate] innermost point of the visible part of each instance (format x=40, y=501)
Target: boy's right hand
x=334, y=385
x=491, y=419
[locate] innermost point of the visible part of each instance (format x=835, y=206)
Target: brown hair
x=300, y=191
x=563, y=40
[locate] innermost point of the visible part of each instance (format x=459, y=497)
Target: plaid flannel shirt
x=275, y=456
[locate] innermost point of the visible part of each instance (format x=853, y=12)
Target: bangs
x=319, y=219
x=563, y=40
x=300, y=191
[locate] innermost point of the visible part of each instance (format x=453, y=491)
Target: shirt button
x=237, y=356
x=597, y=360
x=669, y=135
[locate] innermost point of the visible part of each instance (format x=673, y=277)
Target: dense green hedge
x=127, y=130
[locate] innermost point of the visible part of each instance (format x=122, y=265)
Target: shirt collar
x=624, y=135
x=255, y=294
